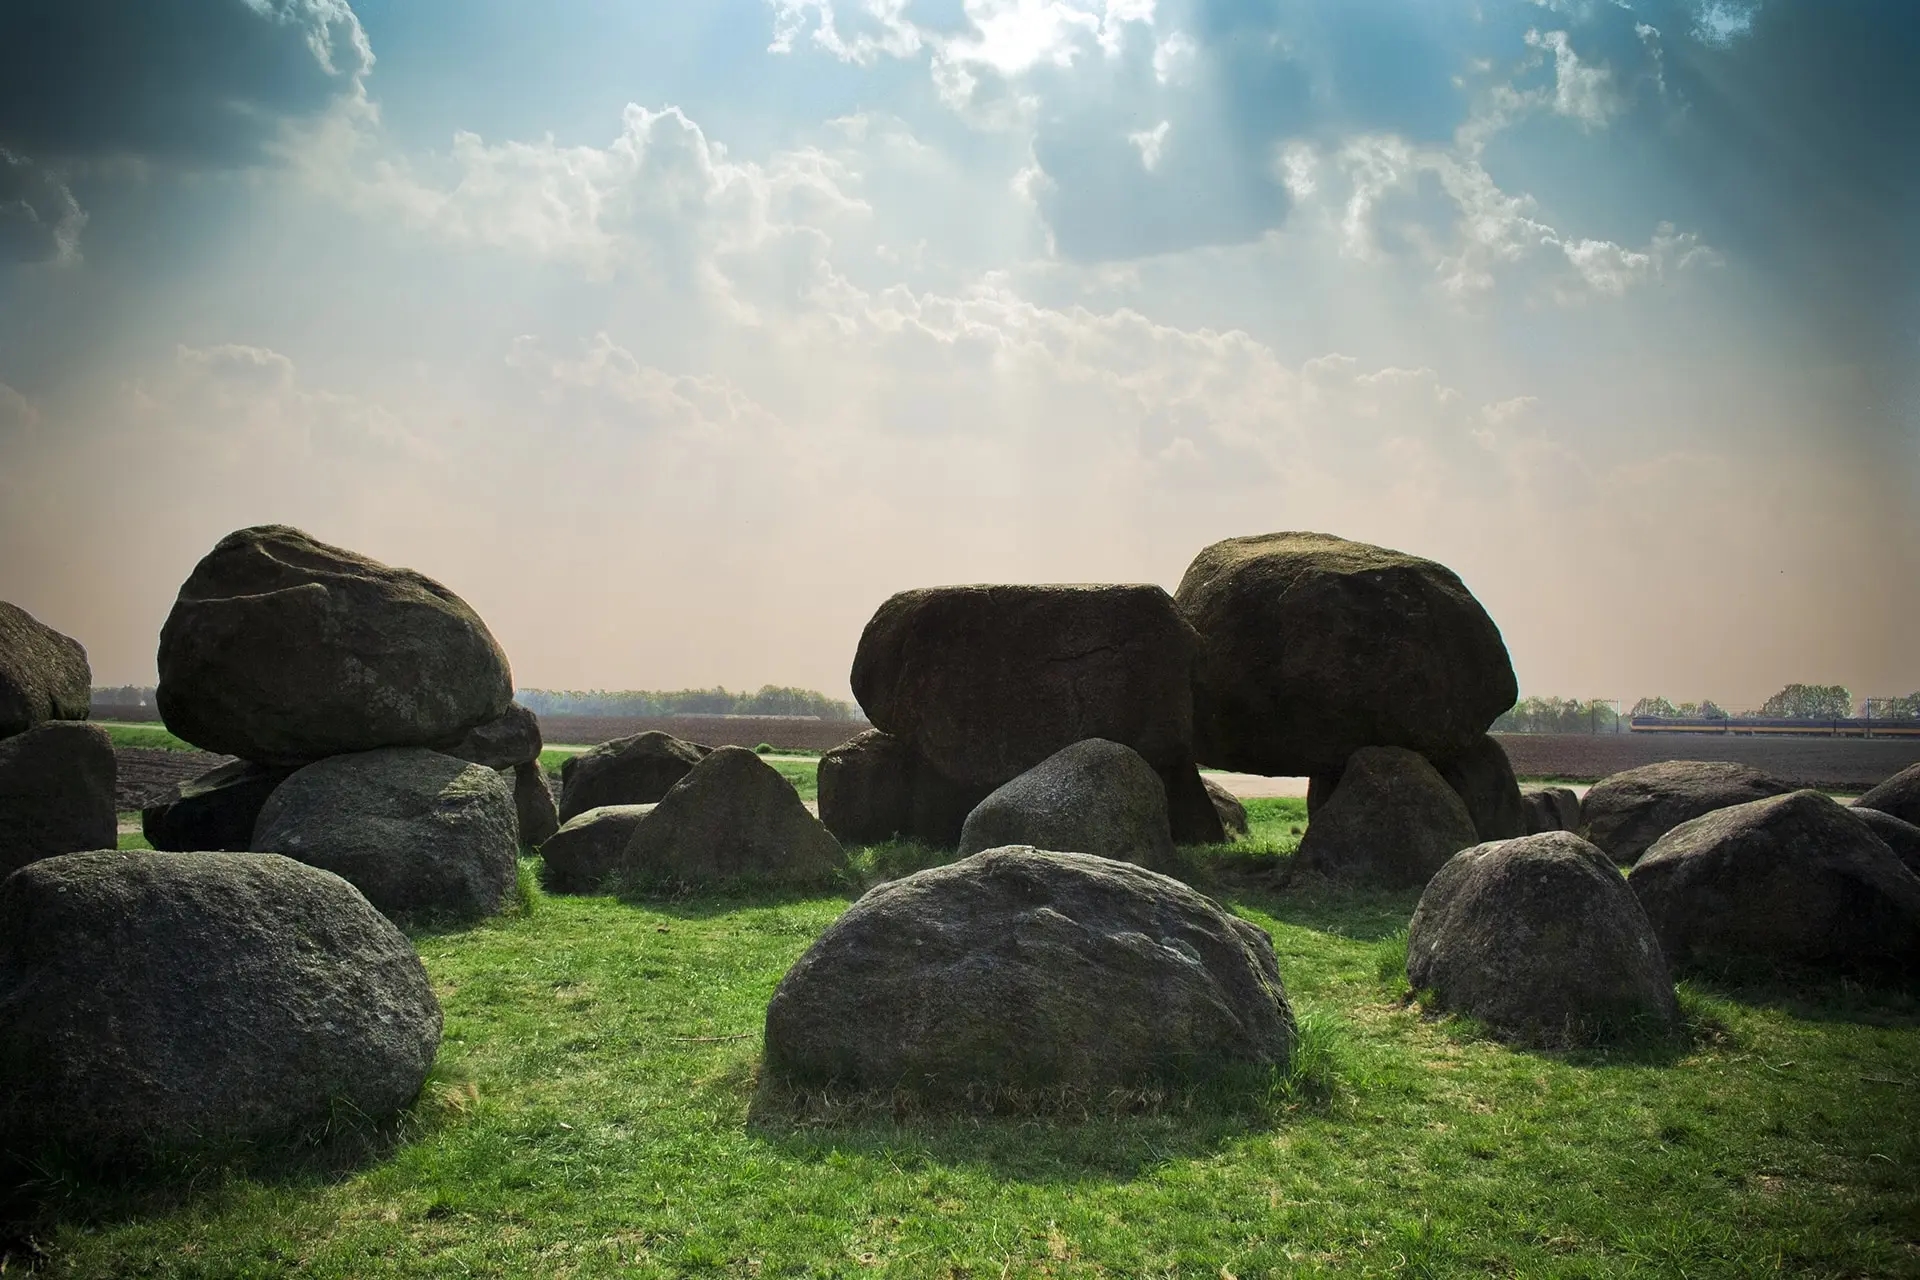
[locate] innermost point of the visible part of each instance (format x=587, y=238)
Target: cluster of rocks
x=56, y=773
x=372, y=716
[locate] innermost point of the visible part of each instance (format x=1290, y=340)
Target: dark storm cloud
x=197, y=81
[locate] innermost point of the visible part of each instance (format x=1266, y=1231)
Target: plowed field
x=1835, y=764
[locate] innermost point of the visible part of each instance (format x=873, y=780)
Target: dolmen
x=1782, y=885
x=56, y=773
x=156, y=1005
x=1018, y=969
x=372, y=715
x=1540, y=938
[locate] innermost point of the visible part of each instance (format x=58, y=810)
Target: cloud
x=40, y=221
x=1582, y=92
x=1150, y=142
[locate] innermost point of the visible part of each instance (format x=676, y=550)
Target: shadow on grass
x=1868, y=999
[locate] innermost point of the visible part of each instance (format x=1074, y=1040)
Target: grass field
x=594, y=1114
x=150, y=737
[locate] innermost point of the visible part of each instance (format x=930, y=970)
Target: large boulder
x=56, y=793
x=1625, y=813
x=533, y=808
x=875, y=786
x=420, y=833
x=1898, y=835
x=283, y=650
x=1094, y=797
x=43, y=674
x=1550, y=809
x=1313, y=647
x=1228, y=808
x=583, y=855
x=1898, y=795
x=1540, y=938
x=1483, y=778
x=1027, y=969
x=167, y=1003
x=1391, y=822
x=733, y=817
x=640, y=769
x=1790, y=881
x=215, y=811
x=988, y=681
x=509, y=739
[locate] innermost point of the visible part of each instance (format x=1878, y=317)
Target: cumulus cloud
x=40, y=221
x=1581, y=91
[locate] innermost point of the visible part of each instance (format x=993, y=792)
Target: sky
x=676, y=337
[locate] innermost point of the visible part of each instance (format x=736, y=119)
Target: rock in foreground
x=1391, y=822
x=732, y=818
x=1540, y=938
x=640, y=769
x=1093, y=797
x=43, y=675
x=1023, y=969
x=1625, y=813
x=175, y=1002
x=56, y=793
x=1901, y=837
x=1313, y=647
x=421, y=834
x=584, y=853
x=284, y=650
x=1794, y=881
x=1898, y=795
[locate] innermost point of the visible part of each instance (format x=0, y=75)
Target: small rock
x=583, y=854
x=1232, y=814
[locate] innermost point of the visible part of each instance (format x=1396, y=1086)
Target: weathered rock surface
x=420, y=833
x=1898, y=795
x=732, y=817
x=1192, y=815
x=533, y=808
x=1900, y=836
x=874, y=787
x=1483, y=778
x=1625, y=813
x=1027, y=969
x=584, y=853
x=215, y=811
x=1094, y=797
x=1550, y=809
x=1792, y=881
x=1392, y=821
x=509, y=739
x=56, y=793
x=640, y=769
x=1232, y=814
x=43, y=675
x=1541, y=938
x=158, y=1003
x=1313, y=647
x=987, y=681
x=284, y=650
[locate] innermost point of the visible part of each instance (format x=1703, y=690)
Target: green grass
x=153, y=737
x=590, y=1116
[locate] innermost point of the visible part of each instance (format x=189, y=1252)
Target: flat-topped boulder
x=1023, y=969
x=639, y=769
x=1313, y=647
x=1898, y=795
x=1793, y=881
x=43, y=674
x=1390, y=822
x=1094, y=797
x=1482, y=777
x=732, y=818
x=1625, y=813
x=282, y=649
x=421, y=834
x=987, y=681
x=159, y=1004
x=215, y=811
x=56, y=793
x=1540, y=938
x=583, y=855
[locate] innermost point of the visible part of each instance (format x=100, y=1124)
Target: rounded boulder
x=1482, y=777
x=1313, y=647
x=56, y=793
x=212, y=812
x=419, y=833
x=1390, y=822
x=1023, y=969
x=733, y=817
x=43, y=675
x=1626, y=812
x=283, y=650
x=1094, y=797
x=639, y=769
x=1541, y=938
x=1898, y=795
x=161, y=1003
x=585, y=852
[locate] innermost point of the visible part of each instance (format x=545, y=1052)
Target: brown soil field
x=1832, y=764
x=142, y=776
x=712, y=731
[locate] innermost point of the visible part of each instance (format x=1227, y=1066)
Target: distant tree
x=771, y=700
x=1556, y=715
x=1655, y=707
x=1710, y=710
x=1907, y=708
x=1809, y=702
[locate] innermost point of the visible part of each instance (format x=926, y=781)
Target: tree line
x=1795, y=702
x=770, y=700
